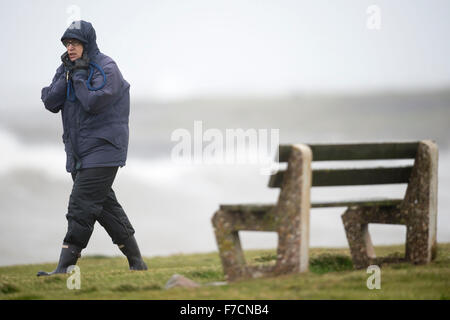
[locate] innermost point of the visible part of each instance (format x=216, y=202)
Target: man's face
x=74, y=48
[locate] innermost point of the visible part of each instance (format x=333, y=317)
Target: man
x=94, y=101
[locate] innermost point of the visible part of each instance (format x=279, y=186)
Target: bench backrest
x=354, y=151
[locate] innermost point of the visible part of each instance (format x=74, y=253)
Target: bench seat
x=263, y=207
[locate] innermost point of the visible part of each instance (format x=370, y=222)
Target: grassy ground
x=330, y=277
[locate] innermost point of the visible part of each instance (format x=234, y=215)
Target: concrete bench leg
x=356, y=223
x=420, y=205
x=418, y=212
x=357, y=231
x=290, y=219
x=229, y=244
x=293, y=210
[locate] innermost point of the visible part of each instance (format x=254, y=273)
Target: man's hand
x=66, y=61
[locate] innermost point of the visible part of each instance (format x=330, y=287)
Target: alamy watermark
x=373, y=21
x=374, y=281
x=74, y=281
x=73, y=21
x=232, y=146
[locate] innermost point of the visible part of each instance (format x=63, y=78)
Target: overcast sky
x=169, y=49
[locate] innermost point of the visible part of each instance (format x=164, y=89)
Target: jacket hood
x=85, y=32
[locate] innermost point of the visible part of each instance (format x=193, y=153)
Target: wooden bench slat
x=263, y=207
x=252, y=207
x=358, y=202
x=356, y=151
x=352, y=176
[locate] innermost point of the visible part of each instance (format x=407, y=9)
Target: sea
x=170, y=203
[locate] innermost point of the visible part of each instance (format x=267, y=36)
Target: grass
x=331, y=276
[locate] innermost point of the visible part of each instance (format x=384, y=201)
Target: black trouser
x=92, y=199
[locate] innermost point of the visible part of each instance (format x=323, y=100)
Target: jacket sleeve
x=54, y=95
x=99, y=100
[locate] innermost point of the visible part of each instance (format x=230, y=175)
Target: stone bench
x=289, y=217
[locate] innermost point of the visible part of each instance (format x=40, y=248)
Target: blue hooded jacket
x=94, y=104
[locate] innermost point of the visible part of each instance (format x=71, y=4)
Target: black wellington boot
x=131, y=250
x=69, y=256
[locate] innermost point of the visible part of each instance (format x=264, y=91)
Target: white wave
x=43, y=157
x=170, y=204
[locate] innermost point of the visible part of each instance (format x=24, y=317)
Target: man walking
x=93, y=97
